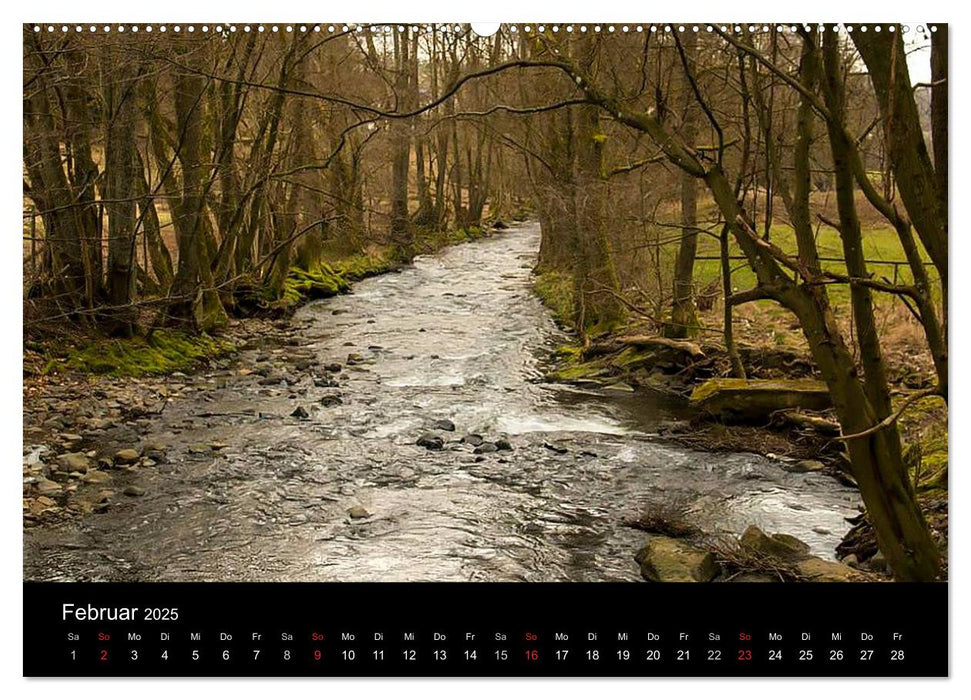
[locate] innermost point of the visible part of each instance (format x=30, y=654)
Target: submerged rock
x=805, y=465
x=667, y=560
x=444, y=424
x=472, y=439
x=485, y=448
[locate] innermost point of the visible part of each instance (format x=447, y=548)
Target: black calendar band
x=485, y=629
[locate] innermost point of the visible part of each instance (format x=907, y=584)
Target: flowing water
x=456, y=336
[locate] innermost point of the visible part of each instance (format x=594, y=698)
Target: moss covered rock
x=162, y=352
x=665, y=559
x=754, y=400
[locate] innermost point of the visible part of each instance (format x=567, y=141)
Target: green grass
x=880, y=243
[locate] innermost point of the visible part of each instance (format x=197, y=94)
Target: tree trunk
x=684, y=317
x=120, y=175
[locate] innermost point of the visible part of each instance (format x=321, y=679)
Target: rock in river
x=780, y=546
x=74, y=462
x=431, y=441
x=300, y=412
x=816, y=569
x=358, y=512
x=128, y=456
x=444, y=424
x=485, y=448
x=665, y=559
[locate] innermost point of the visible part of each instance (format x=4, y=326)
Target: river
x=458, y=336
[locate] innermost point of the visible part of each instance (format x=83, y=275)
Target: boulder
x=754, y=400
x=779, y=546
x=665, y=559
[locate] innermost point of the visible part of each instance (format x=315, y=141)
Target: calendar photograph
x=536, y=303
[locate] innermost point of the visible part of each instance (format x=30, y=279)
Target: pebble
x=46, y=486
x=128, y=456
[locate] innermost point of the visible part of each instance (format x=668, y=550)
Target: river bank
x=401, y=432
x=633, y=357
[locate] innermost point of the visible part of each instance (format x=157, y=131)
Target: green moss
x=631, y=357
x=576, y=371
x=923, y=427
x=163, y=352
x=325, y=279
x=555, y=290
x=711, y=386
x=569, y=353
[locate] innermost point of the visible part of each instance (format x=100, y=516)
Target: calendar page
x=524, y=349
